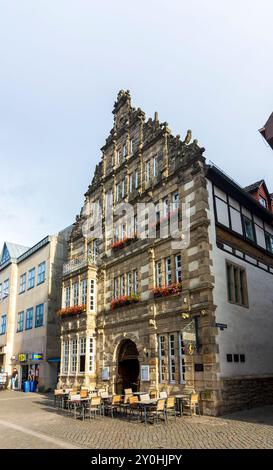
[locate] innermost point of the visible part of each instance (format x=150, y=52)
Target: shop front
x=29, y=368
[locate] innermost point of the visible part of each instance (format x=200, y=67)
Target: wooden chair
x=104, y=397
x=114, y=405
x=126, y=402
x=94, y=406
x=84, y=393
x=76, y=405
x=158, y=411
x=133, y=406
x=58, y=394
x=192, y=403
x=170, y=407
x=195, y=403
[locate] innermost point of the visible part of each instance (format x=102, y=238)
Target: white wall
x=249, y=330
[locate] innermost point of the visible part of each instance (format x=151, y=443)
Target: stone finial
x=188, y=137
x=156, y=116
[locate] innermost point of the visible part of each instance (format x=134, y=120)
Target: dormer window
x=5, y=255
x=262, y=201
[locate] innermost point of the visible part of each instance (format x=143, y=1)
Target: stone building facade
x=139, y=310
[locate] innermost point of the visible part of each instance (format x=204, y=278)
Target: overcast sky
x=203, y=65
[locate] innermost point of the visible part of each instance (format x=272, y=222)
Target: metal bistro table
x=79, y=403
x=144, y=405
x=179, y=402
x=138, y=394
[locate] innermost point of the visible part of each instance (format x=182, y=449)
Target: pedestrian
x=14, y=378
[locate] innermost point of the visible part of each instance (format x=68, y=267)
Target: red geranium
x=124, y=300
x=71, y=310
x=165, y=291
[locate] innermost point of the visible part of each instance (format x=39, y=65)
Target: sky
x=202, y=65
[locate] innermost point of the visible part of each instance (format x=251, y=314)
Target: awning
x=54, y=359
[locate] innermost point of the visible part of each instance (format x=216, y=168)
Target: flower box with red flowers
x=166, y=291
x=124, y=300
x=118, y=244
x=67, y=311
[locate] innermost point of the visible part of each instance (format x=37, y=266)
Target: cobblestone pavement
x=30, y=421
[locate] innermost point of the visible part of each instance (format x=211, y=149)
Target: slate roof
x=253, y=186
x=14, y=250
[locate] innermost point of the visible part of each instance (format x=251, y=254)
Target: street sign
x=222, y=326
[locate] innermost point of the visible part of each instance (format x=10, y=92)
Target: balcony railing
x=78, y=263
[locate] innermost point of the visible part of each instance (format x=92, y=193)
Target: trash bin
x=32, y=385
x=26, y=386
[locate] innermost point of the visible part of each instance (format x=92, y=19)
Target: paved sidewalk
x=30, y=421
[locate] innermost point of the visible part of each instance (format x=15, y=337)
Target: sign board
x=3, y=378
x=222, y=326
x=36, y=356
x=145, y=373
x=105, y=373
x=189, y=337
x=22, y=357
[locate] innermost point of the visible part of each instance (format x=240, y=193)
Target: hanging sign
x=22, y=357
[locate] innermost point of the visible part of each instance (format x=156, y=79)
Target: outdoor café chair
x=157, y=411
x=114, y=405
x=84, y=393
x=163, y=394
x=192, y=403
x=75, y=404
x=170, y=407
x=126, y=402
x=128, y=391
x=133, y=407
x=94, y=406
x=58, y=398
x=104, y=397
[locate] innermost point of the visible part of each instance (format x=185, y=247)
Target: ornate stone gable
x=152, y=137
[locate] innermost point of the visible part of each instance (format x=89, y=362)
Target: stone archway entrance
x=128, y=366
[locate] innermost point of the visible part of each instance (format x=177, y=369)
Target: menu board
x=3, y=378
x=105, y=373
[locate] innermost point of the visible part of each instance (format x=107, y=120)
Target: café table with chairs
x=145, y=406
